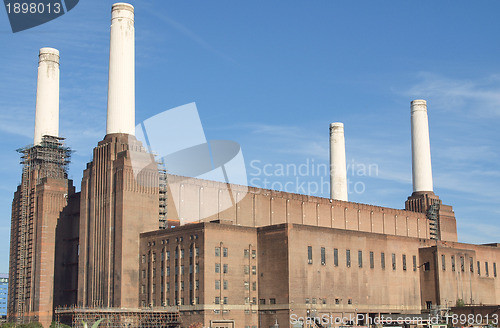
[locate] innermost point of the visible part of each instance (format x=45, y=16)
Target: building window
x=254, y=285
x=168, y=255
x=478, y=268
x=225, y=252
x=404, y=262
x=494, y=269
x=272, y=301
x=143, y=274
x=254, y=270
x=217, y=300
x=182, y=253
x=246, y=253
x=486, y=269
x=471, y=260
x=143, y=259
x=349, y=301
x=372, y=261
x=453, y=263
x=247, y=269
x=197, y=253
x=197, y=285
x=335, y=257
x=360, y=259
x=314, y=300
x=254, y=254
x=217, y=284
x=309, y=254
x=443, y=262
x=247, y=301
x=393, y=261
x=225, y=268
x=247, y=285
x=154, y=257
x=225, y=300
x=307, y=301
x=168, y=271
x=382, y=260
x=262, y=301
x=217, y=251
x=168, y=287
x=323, y=256
x=143, y=289
x=337, y=301
x=225, y=284
x=348, y=258
x=254, y=300
x=462, y=264
x=217, y=267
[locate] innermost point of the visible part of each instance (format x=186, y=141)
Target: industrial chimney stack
x=47, y=95
x=420, y=146
x=121, y=82
x=338, y=173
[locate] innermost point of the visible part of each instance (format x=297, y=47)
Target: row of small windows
x=177, y=270
x=324, y=301
x=177, y=239
x=4, y=279
x=180, y=286
x=225, y=251
x=471, y=265
x=166, y=255
x=167, y=302
x=360, y=258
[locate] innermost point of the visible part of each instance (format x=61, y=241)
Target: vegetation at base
x=27, y=325
x=460, y=303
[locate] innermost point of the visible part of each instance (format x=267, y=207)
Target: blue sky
x=272, y=75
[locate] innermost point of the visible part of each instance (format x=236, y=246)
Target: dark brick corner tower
x=119, y=200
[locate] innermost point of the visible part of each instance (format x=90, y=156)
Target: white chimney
x=47, y=95
x=338, y=172
x=121, y=82
x=420, y=146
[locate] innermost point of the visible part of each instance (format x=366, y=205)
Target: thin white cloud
x=453, y=94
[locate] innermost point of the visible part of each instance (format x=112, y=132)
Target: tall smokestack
x=420, y=146
x=47, y=95
x=338, y=172
x=121, y=82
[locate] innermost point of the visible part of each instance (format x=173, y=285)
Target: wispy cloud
x=452, y=94
x=188, y=33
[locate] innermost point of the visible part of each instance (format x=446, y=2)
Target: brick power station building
x=249, y=257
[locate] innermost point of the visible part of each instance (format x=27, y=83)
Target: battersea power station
x=141, y=247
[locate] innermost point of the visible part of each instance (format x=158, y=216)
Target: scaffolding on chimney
x=162, y=211
x=433, y=216
x=47, y=160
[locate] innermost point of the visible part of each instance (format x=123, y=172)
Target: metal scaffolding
x=47, y=160
x=162, y=212
x=117, y=317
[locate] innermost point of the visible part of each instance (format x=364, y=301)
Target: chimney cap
x=48, y=50
x=418, y=102
x=336, y=125
x=122, y=6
